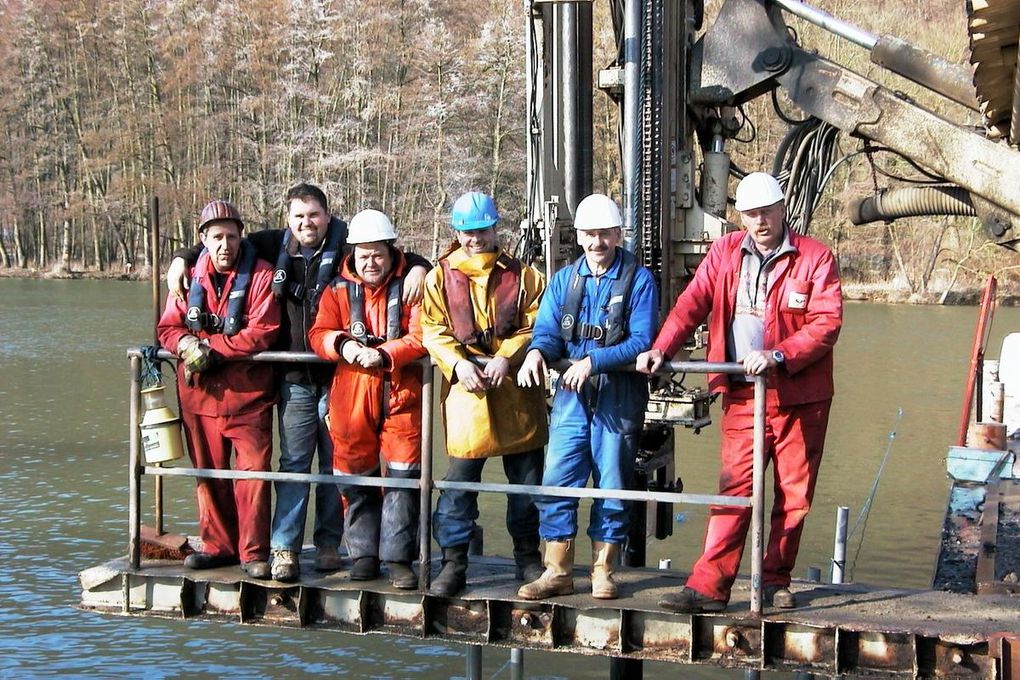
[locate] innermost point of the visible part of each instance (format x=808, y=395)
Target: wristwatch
x=778, y=356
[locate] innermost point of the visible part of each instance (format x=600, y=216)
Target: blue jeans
x=456, y=511
x=594, y=433
x=302, y=430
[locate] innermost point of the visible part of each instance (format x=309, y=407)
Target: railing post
x=425, y=483
x=758, y=495
x=474, y=662
x=839, y=545
x=154, y=269
x=516, y=664
x=134, y=466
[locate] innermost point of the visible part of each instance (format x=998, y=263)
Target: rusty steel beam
x=841, y=630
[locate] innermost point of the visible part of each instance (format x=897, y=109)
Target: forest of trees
x=393, y=104
x=104, y=103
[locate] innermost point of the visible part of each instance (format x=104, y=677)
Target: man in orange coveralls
x=375, y=398
x=230, y=313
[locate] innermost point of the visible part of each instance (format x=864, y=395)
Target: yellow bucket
x=160, y=427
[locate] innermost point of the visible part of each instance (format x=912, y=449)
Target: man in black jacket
x=305, y=258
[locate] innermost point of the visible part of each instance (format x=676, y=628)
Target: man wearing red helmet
x=226, y=406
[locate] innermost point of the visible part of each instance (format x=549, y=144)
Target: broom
x=156, y=544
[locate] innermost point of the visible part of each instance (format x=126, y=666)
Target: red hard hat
x=219, y=210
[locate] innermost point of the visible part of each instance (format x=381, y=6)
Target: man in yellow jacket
x=480, y=304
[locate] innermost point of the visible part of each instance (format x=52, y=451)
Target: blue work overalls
x=595, y=432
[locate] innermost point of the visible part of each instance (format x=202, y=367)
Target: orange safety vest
x=504, y=284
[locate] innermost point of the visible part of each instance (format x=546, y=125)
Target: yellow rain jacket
x=508, y=419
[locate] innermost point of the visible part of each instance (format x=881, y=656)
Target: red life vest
x=504, y=284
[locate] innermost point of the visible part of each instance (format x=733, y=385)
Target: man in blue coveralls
x=600, y=312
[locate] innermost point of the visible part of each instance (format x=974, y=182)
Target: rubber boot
x=453, y=575
x=557, y=579
x=528, y=558
x=603, y=560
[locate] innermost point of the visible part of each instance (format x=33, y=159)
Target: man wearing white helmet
x=600, y=312
x=375, y=398
x=776, y=306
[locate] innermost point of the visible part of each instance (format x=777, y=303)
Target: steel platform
x=836, y=630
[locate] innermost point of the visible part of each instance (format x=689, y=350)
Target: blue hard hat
x=474, y=210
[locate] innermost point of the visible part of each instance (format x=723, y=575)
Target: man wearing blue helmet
x=477, y=315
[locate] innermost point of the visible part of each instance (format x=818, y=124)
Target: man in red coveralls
x=776, y=306
x=230, y=314
x=375, y=398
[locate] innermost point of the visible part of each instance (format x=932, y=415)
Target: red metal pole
x=977, y=355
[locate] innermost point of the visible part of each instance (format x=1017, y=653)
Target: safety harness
x=359, y=329
x=356, y=301
x=198, y=318
x=283, y=284
x=504, y=285
x=615, y=328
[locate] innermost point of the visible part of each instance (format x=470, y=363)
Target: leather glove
x=196, y=355
x=349, y=350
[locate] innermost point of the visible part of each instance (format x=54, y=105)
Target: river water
x=63, y=492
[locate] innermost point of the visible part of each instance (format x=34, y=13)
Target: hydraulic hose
x=890, y=204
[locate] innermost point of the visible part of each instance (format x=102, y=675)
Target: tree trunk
x=19, y=248
x=5, y=258
x=898, y=255
x=933, y=256
x=65, y=242
x=41, y=242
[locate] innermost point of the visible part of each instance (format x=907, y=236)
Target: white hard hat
x=369, y=226
x=758, y=190
x=597, y=211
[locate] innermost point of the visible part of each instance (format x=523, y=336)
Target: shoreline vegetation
x=854, y=291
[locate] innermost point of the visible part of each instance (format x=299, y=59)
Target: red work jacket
x=235, y=386
x=358, y=420
x=803, y=315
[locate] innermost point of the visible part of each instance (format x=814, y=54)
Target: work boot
x=285, y=565
x=779, y=597
x=528, y=558
x=690, y=601
x=328, y=559
x=365, y=569
x=557, y=579
x=453, y=575
x=257, y=569
x=603, y=561
x=201, y=560
x=402, y=576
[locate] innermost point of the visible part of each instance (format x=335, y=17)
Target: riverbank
x=119, y=274
x=888, y=293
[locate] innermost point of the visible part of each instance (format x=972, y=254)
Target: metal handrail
x=426, y=485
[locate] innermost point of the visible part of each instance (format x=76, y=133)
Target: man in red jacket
x=226, y=407
x=776, y=306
